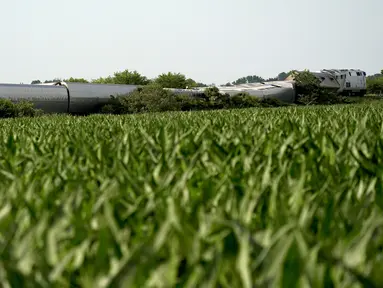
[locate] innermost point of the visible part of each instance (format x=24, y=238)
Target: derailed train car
x=281, y=90
x=61, y=97
x=84, y=98
x=88, y=98
x=49, y=98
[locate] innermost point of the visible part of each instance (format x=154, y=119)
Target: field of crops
x=279, y=197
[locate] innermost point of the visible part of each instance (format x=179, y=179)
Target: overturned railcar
x=281, y=90
x=61, y=97
x=88, y=98
x=49, y=98
x=85, y=98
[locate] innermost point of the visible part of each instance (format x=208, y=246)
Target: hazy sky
x=213, y=41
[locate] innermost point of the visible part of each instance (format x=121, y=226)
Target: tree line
x=180, y=81
x=168, y=80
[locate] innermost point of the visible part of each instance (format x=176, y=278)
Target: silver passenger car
x=85, y=98
x=49, y=98
x=281, y=90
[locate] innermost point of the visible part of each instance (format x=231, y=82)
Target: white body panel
x=355, y=81
x=345, y=81
x=351, y=81
x=281, y=90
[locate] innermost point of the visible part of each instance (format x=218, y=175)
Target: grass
x=274, y=197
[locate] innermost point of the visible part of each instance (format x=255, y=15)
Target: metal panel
x=51, y=99
x=86, y=98
x=281, y=90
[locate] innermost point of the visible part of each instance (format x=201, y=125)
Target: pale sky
x=211, y=41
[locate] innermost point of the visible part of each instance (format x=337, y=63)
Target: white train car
x=281, y=90
x=351, y=81
x=344, y=81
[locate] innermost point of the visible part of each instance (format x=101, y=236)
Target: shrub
x=375, y=85
x=26, y=109
x=149, y=98
x=310, y=92
x=174, y=80
x=153, y=98
x=8, y=109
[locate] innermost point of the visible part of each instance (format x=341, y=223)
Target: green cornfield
x=273, y=197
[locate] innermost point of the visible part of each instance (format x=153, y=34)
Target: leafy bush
x=310, y=92
x=150, y=98
x=124, y=77
x=175, y=80
x=375, y=85
x=153, y=98
x=26, y=109
x=8, y=109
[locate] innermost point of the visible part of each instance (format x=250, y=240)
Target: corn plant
x=273, y=197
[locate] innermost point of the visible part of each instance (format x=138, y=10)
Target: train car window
x=364, y=73
x=358, y=74
x=348, y=84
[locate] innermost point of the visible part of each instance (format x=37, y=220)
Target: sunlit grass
x=242, y=198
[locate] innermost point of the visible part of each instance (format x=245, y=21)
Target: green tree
x=374, y=85
x=381, y=71
x=54, y=80
x=175, y=80
x=77, y=80
x=249, y=79
x=101, y=80
x=309, y=91
x=124, y=77
x=130, y=78
x=282, y=76
x=190, y=83
x=36, y=82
